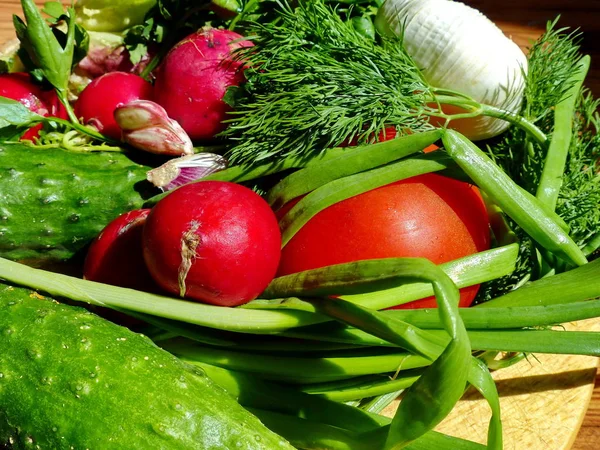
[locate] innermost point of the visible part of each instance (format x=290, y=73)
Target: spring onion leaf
x=350, y=162
x=379, y=283
x=293, y=369
x=558, y=152
x=540, y=224
x=251, y=391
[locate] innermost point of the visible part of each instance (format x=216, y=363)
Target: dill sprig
x=579, y=197
x=552, y=61
x=314, y=81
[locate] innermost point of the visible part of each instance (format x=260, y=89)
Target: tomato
x=428, y=216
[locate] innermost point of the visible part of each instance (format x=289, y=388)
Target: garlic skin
x=458, y=48
x=185, y=169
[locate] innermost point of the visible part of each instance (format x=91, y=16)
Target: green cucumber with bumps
x=71, y=380
x=53, y=202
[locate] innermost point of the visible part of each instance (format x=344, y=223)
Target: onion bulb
x=459, y=49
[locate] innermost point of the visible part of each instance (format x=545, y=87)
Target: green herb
x=15, y=118
x=164, y=24
x=552, y=62
x=315, y=81
x=49, y=52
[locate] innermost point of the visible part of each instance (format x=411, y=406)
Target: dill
x=314, y=81
x=579, y=198
x=552, y=60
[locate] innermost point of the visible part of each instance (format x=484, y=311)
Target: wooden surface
x=543, y=399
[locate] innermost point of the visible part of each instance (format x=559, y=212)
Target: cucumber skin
x=53, y=202
x=71, y=380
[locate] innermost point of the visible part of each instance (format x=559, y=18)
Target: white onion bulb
x=458, y=48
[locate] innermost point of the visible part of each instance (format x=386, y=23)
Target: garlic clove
x=146, y=126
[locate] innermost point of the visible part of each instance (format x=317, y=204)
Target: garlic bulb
x=460, y=49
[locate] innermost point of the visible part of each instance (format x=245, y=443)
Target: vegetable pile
x=306, y=208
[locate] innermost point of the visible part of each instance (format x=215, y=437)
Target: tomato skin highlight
x=97, y=102
x=115, y=257
x=428, y=216
x=234, y=237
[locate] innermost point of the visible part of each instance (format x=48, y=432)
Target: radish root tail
x=189, y=244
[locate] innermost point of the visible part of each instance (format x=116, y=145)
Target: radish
x=193, y=78
x=18, y=86
x=212, y=241
x=115, y=257
x=98, y=101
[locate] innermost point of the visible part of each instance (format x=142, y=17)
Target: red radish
x=115, y=257
x=193, y=78
x=212, y=241
x=428, y=216
x=55, y=106
x=98, y=101
x=18, y=86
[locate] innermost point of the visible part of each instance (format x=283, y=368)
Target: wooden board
x=544, y=399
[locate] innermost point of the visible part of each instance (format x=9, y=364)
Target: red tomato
x=428, y=216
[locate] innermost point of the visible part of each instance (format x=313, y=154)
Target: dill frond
x=314, y=81
x=552, y=60
x=579, y=197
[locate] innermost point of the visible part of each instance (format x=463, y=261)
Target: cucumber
x=53, y=202
x=71, y=380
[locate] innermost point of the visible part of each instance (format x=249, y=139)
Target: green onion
x=352, y=161
x=575, y=285
x=542, y=225
x=377, y=283
x=346, y=187
x=556, y=158
x=294, y=369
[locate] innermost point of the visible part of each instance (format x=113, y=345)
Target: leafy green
x=50, y=50
x=15, y=118
x=164, y=24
